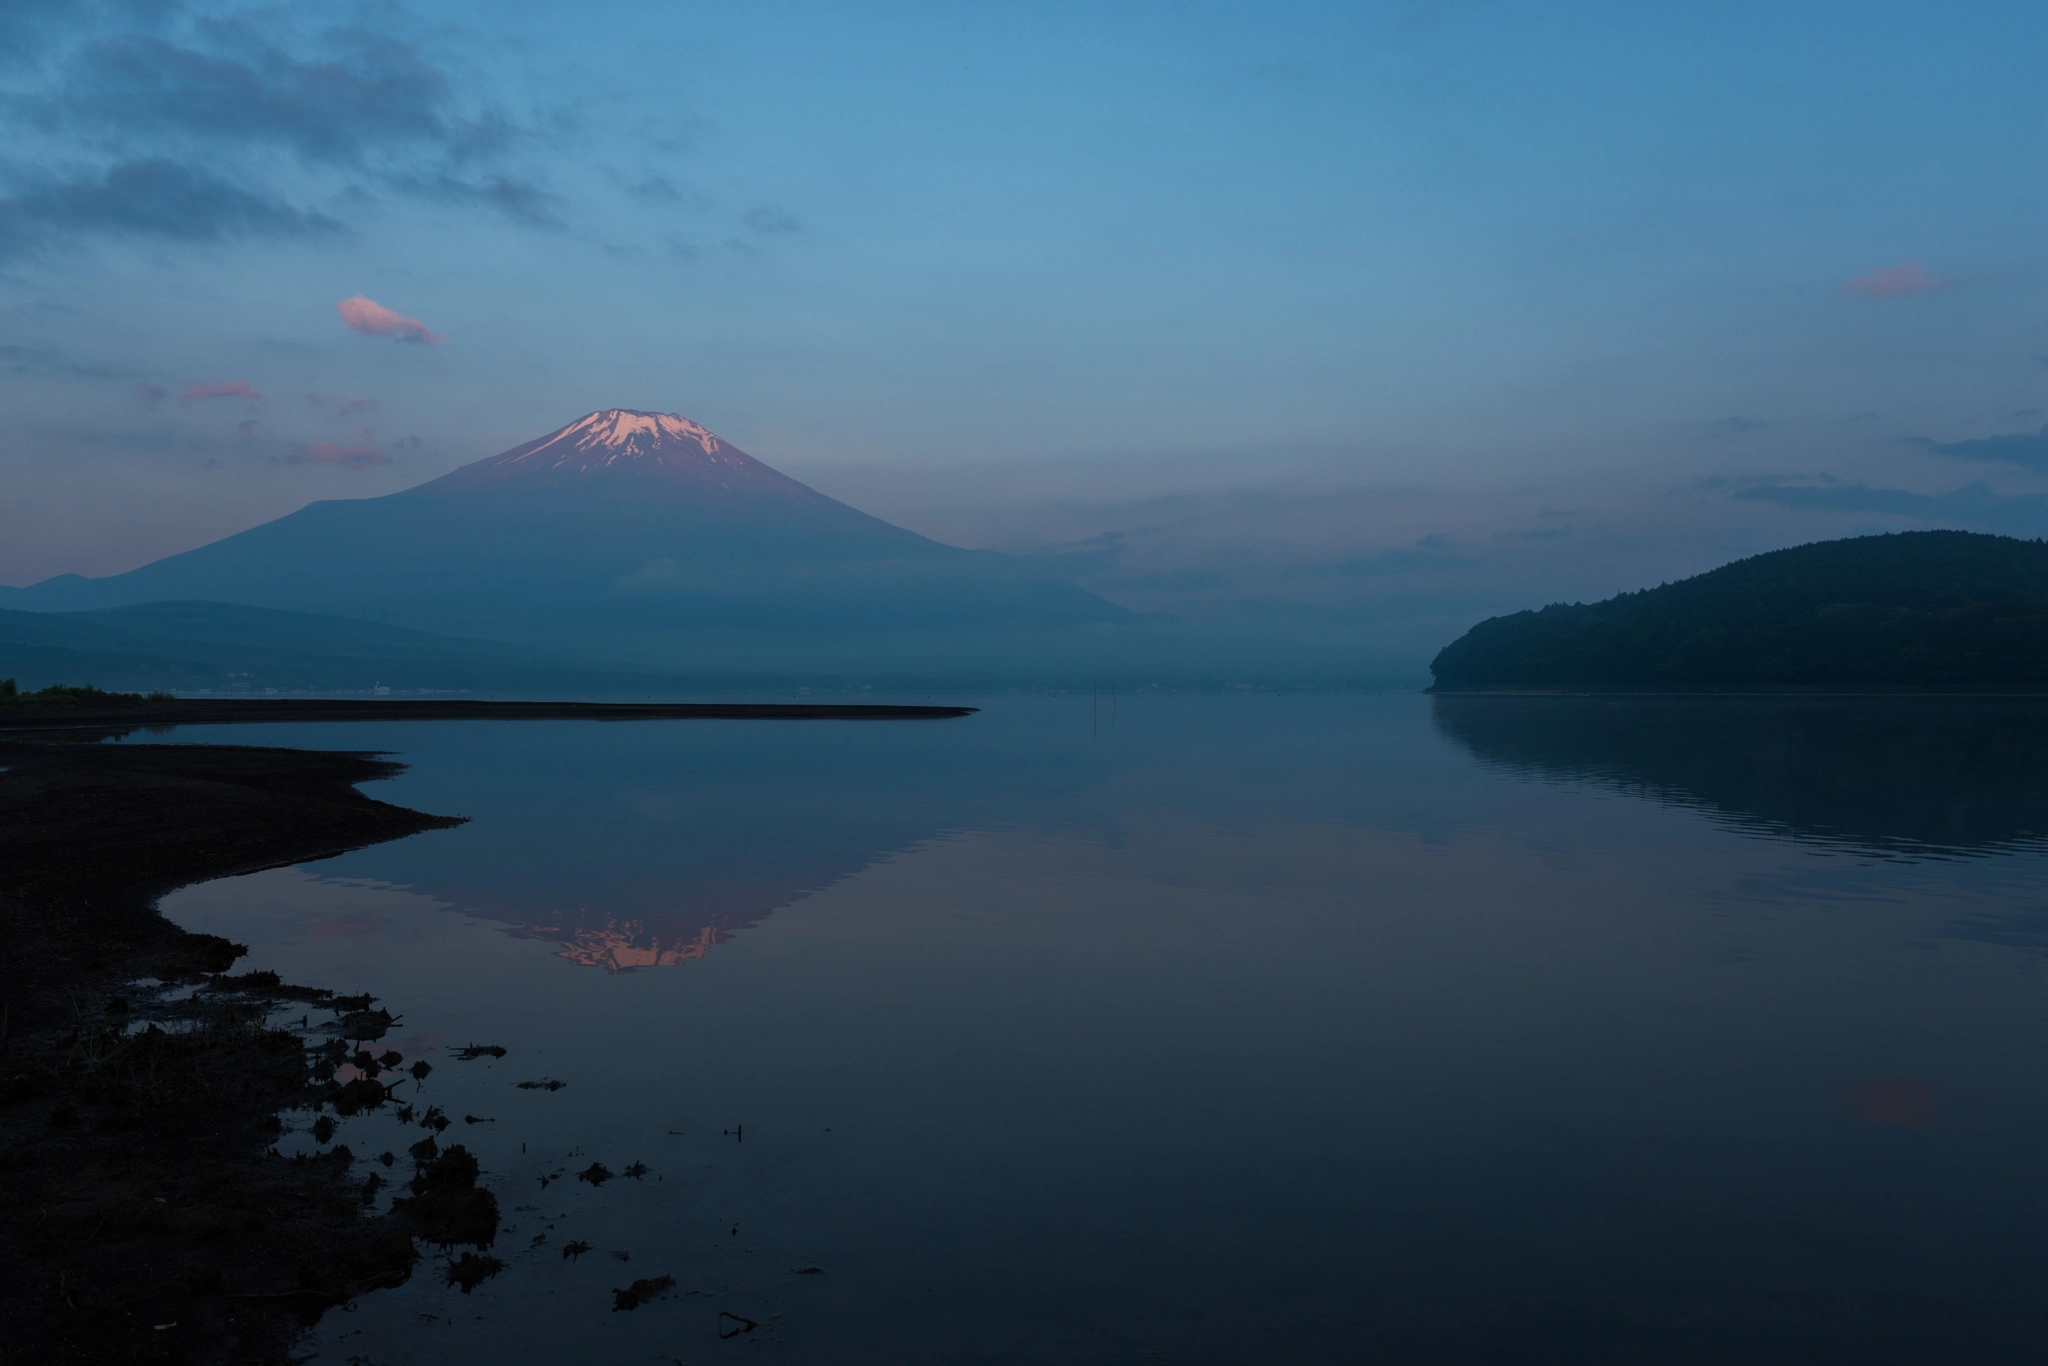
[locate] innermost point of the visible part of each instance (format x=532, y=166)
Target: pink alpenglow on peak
x=620, y=446
x=604, y=438
x=366, y=315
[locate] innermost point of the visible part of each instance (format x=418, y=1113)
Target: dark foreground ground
x=144, y=1212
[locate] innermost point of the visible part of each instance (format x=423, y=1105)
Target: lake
x=1213, y=1029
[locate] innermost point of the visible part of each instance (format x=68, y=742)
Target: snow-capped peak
x=625, y=449
x=619, y=429
x=616, y=436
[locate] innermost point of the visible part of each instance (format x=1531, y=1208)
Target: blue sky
x=1382, y=316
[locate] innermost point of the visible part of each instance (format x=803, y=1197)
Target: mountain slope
x=619, y=524
x=1918, y=608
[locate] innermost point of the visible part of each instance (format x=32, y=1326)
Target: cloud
x=2026, y=449
x=39, y=363
x=770, y=221
x=1835, y=497
x=1173, y=581
x=1974, y=507
x=341, y=405
x=519, y=200
x=1431, y=552
x=1895, y=281
x=366, y=315
x=150, y=198
x=151, y=394
x=1095, y=555
x=200, y=390
x=236, y=83
x=356, y=457
x=363, y=99
x=24, y=25
x=1733, y=428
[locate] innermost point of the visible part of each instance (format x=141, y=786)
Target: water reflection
x=1257, y=1029
x=641, y=848
x=1894, y=777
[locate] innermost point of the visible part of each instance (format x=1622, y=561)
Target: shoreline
x=145, y=1212
x=205, y=711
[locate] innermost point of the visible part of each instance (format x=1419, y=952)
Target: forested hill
x=1927, y=608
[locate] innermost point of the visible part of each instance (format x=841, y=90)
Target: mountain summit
x=621, y=441
x=641, y=533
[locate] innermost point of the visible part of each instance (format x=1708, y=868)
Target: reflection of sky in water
x=1253, y=1029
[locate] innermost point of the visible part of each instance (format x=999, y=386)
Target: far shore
x=200, y=711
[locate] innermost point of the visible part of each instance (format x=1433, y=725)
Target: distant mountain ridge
x=621, y=528
x=1909, y=609
x=225, y=647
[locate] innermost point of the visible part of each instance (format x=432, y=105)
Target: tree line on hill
x=1908, y=609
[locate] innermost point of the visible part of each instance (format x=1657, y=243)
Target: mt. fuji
x=642, y=533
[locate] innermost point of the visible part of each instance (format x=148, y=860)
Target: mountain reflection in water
x=1889, y=776
x=1214, y=1030
x=628, y=852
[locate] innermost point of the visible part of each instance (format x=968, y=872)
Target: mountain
x=214, y=646
x=1911, y=609
x=641, y=531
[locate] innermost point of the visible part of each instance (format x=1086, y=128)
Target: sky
x=1375, y=318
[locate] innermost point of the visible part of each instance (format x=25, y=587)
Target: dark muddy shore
x=143, y=1213
x=126, y=711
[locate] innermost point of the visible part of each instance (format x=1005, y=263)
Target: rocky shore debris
x=446, y=1203
x=140, y=1185
x=545, y=1084
x=471, y=1052
x=473, y=1269
x=641, y=1291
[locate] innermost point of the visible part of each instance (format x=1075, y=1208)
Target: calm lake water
x=1320, y=1028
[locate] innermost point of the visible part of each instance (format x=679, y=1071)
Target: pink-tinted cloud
x=341, y=405
x=1894, y=281
x=360, y=314
x=200, y=390
x=358, y=457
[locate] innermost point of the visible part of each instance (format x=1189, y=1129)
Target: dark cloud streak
x=148, y=199
x=374, y=92
x=2028, y=450
x=190, y=98
x=37, y=363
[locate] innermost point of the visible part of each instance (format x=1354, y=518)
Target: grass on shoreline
x=70, y=695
